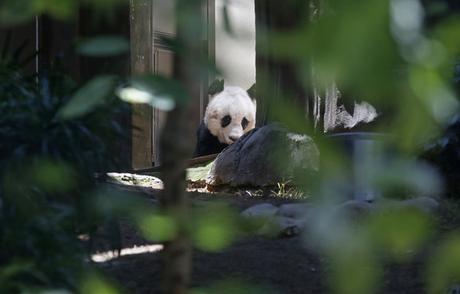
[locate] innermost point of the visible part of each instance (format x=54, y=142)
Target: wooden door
x=151, y=22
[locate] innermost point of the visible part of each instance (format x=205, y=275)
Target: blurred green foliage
x=233, y=285
x=158, y=227
x=88, y=97
x=103, y=46
x=32, y=123
x=158, y=91
x=399, y=55
x=39, y=223
x=443, y=272
x=400, y=233
x=215, y=227
x=96, y=284
x=55, y=135
x=16, y=12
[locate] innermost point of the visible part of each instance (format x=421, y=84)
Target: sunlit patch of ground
x=136, y=250
x=196, y=182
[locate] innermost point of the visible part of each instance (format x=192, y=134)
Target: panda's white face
x=230, y=114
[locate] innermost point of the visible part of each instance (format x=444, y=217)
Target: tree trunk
x=277, y=79
x=176, y=146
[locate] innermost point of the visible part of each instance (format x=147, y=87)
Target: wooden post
x=141, y=63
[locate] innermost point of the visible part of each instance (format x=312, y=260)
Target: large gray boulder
x=264, y=157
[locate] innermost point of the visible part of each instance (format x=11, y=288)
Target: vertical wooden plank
x=164, y=65
x=164, y=27
x=17, y=36
x=141, y=62
x=93, y=23
x=151, y=21
x=56, y=42
x=210, y=50
x=211, y=32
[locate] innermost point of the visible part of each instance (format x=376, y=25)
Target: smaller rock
x=280, y=226
x=424, y=204
x=295, y=210
x=355, y=209
x=263, y=210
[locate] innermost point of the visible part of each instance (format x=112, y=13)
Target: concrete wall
x=235, y=55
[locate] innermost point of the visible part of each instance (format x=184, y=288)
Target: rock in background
x=295, y=218
x=444, y=154
x=264, y=157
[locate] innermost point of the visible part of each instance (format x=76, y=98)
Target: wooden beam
x=141, y=63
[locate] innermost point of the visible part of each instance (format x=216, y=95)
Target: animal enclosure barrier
x=152, y=24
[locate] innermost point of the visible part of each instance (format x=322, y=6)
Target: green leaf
x=103, y=4
x=61, y=9
x=88, y=97
x=13, y=269
x=215, y=227
x=103, y=46
x=94, y=284
x=158, y=227
x=443, y=270
x=233, y=286
x=16, y=12
x=352, y=275
x=115, y=202
x=160, y=92
x=53, y=176
x=400, y=232
x=56, y=291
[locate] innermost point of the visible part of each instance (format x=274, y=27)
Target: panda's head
x=230, y=114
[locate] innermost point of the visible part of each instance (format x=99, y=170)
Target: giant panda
x=230, y=113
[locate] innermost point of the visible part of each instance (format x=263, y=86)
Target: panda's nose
x=233, y=138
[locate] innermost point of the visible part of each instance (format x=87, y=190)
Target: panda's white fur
x=236, y=103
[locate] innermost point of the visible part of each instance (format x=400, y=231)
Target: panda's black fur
x=207, y=143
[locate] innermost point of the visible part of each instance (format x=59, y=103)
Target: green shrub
x=47, y=166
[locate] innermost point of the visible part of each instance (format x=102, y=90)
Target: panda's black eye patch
x=225, y=121
x=244, y=123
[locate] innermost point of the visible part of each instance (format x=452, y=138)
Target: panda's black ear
x=216, y=87
x=252, y=92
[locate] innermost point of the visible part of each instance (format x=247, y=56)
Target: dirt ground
x=283, y=265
